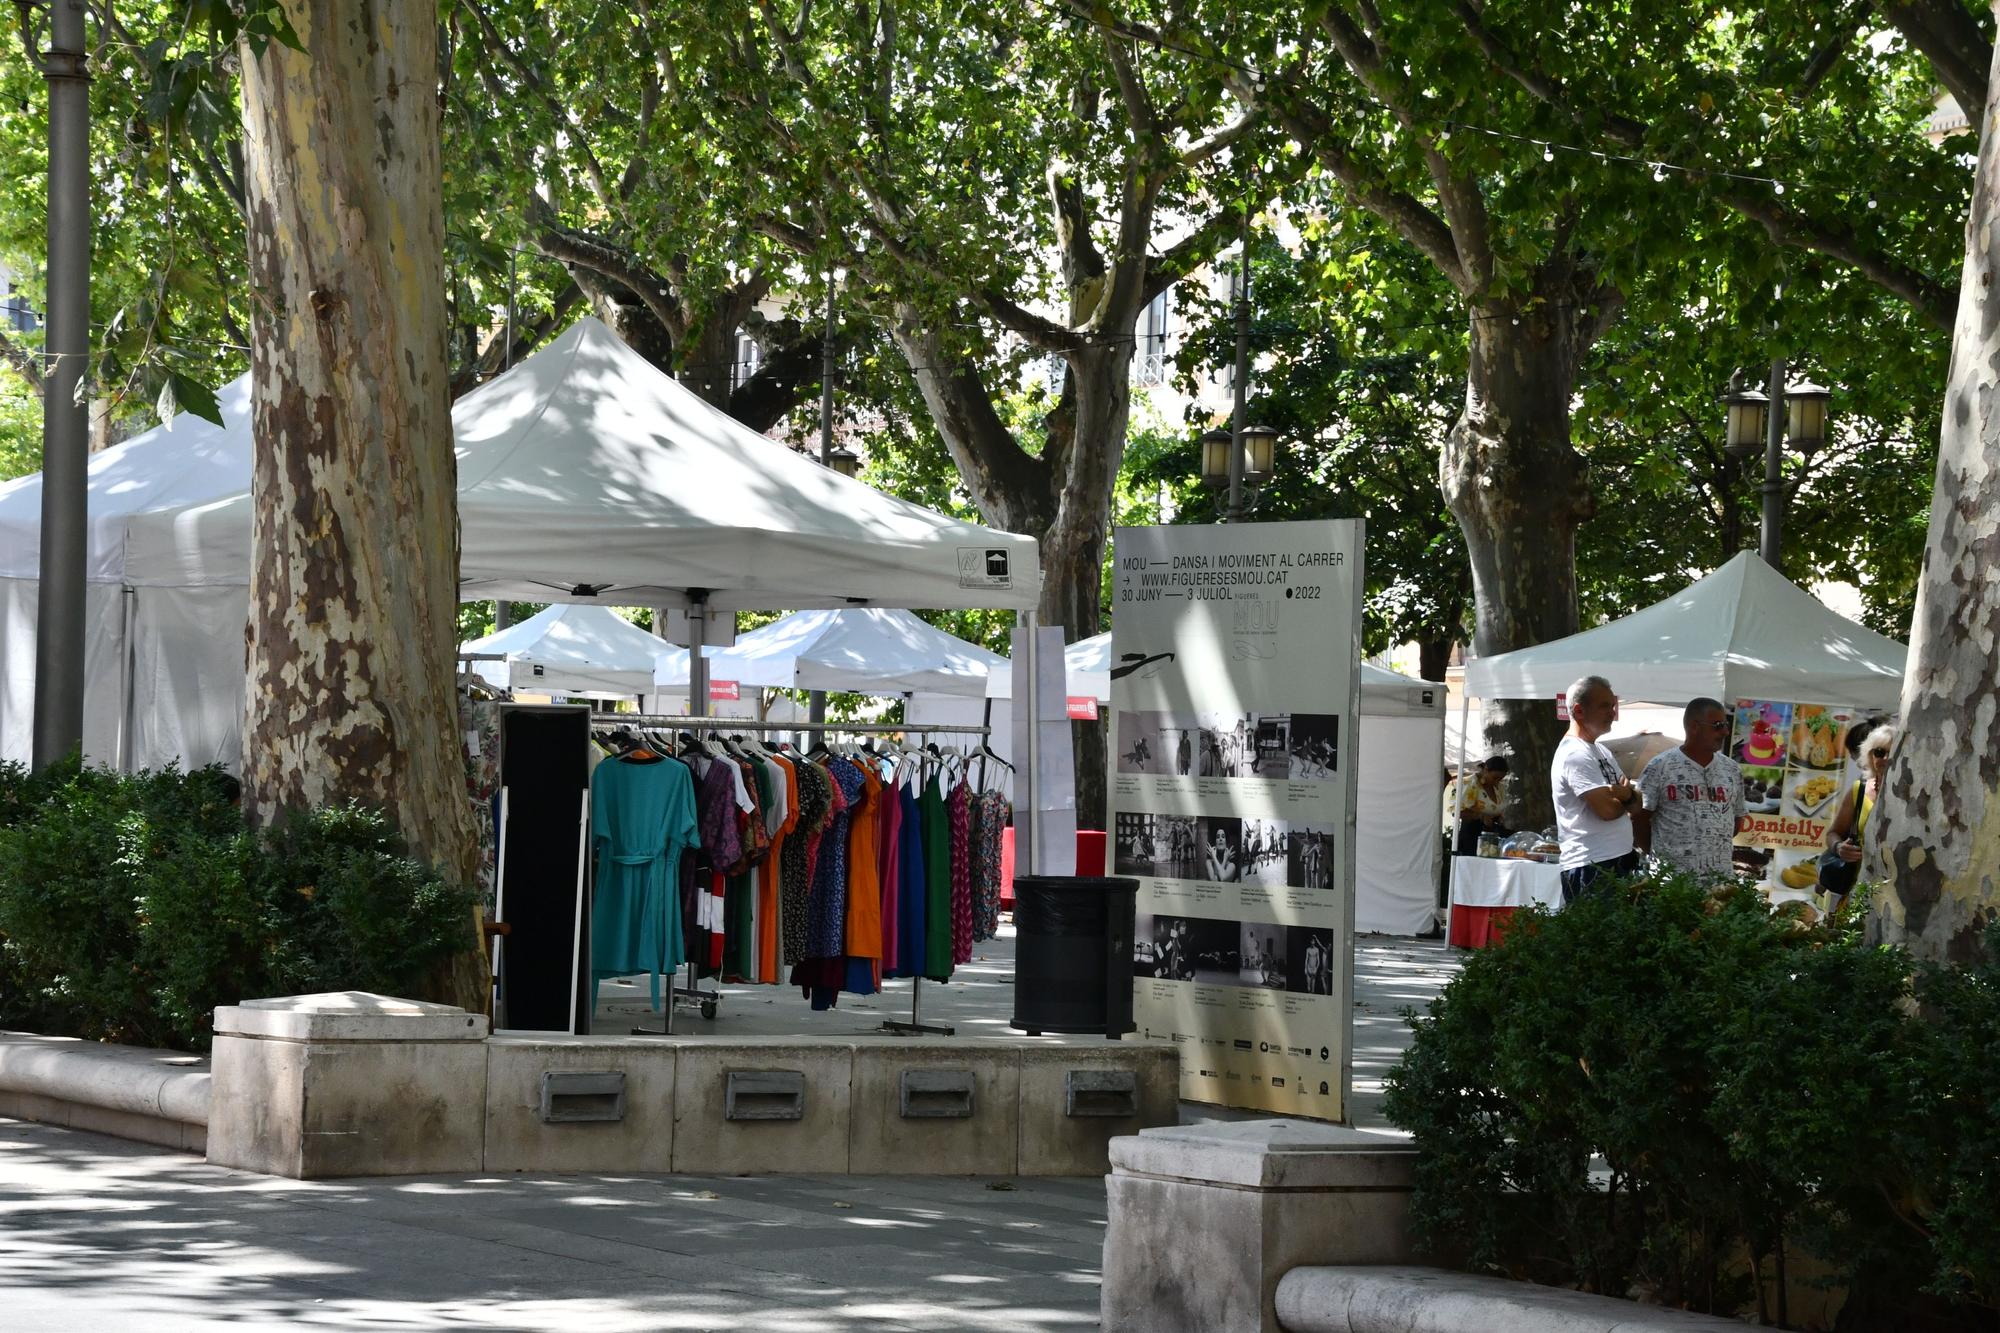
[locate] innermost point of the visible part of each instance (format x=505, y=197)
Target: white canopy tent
x=585, y=652
x=1086, y=663
x=871, y=650
x=585, y=475
x=182, y=462
x=1743, y=632
x=1398, y=796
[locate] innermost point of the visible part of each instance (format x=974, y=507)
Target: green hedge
x=1633, y=1095
x=132, y=905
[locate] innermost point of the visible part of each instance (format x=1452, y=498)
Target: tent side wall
x=104, y=668
x=189, y=675
x=1398, y=799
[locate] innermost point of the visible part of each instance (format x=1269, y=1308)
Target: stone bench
x=130, y=1092
x=1360, y=1299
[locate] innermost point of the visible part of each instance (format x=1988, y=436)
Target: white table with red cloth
x=1487, y=890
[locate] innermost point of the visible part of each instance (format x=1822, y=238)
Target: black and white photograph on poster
x=1141, y=744
x=1312, y=746
x=1162, y=846
x=1224, y=745
x=1264, y=860
x=1166, y=945
x=1145, y=948
x=1262, y=956
x=1215, y=948
x=1221, y=849
x=1310, y=959
x=1309, y=856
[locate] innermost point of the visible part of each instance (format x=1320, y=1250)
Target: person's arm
x=1642, y=829
x=1611, y=802
x=1843, y=820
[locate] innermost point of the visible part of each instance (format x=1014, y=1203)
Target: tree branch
x=21, y=361
x=1954, y=42
x=593, y=169
x=572, y=247
x=1201, y=150
x=1934, y=300
x=1414, y=222
x=1463, y=203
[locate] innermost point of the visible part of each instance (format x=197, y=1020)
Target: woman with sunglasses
x=1849, y=830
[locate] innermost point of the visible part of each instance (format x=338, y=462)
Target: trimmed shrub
x=131, y=906
x=1632, y=1095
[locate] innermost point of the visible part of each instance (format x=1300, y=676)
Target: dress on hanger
x=642, y=817
x=937, y=882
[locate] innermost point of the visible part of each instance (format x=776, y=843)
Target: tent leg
x=1026, y=831
x=128, y=680
x=1457, y=813
x=697, y=664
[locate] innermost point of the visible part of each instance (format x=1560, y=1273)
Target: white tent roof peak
x=182, y=461
x=588, y=651
x=1742, y=632
x=586, y=474
x=873, y=650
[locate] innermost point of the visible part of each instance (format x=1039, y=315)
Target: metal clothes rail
x=710, y=1001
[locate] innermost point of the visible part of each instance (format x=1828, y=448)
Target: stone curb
x=1361, y=1299
x=160, y=1085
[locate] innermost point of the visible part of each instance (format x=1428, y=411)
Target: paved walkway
x=99, y=1234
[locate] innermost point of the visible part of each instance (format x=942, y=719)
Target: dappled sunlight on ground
x=95, y=1232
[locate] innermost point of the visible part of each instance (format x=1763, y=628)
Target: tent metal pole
x=1457, y=811
x=128, y=679
x=1027, y=835
x=697, y=664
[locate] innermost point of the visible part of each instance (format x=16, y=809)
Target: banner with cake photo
x=1794, y=769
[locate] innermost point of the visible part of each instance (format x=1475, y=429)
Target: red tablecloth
x=1478, y=927
x=1089, y=860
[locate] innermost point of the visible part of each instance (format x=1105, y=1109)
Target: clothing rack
x=710, y=1001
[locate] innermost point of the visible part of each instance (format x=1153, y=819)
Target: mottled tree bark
x=1520, y=491
x=1938, y=825
x=355, y=583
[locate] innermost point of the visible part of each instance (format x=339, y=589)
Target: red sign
x=724, y=689
x=1562, y=708
x=1082, y=708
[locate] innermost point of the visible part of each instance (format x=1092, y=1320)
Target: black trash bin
x=1073, y=954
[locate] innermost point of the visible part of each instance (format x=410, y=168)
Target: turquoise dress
x=642, y=818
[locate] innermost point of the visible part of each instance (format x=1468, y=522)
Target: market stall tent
x=585, y=475
x=1399, y=800
x=1087, y=663
x=180, y=462
x=584, y=652
x=1743, y=632
x=870, y=650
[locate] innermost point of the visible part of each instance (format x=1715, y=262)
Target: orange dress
x=864, y=877
x=767, y=883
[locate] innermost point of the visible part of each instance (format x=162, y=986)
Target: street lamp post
x=59, y=627
x=1795, y=411
x=1243, y=456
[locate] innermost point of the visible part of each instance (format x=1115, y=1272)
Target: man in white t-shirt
x=1694, y=795
x=1594, y=801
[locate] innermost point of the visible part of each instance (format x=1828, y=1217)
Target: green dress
x=642, y=818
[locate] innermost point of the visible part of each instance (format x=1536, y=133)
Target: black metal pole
x=1769, y=534
x=59, y=616
x=1242, y=385
x=816, y=700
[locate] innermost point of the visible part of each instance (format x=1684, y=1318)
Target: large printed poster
x=1234, y=694
x=1795, y=767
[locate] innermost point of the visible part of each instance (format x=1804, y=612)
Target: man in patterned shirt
x=1693, y=796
